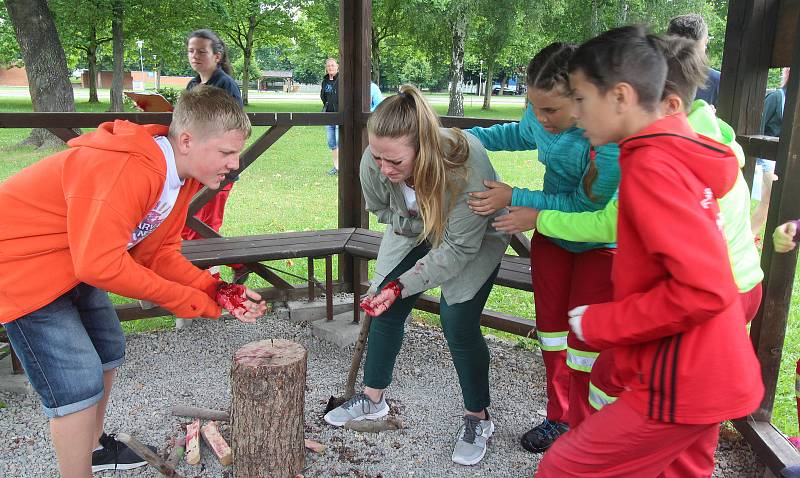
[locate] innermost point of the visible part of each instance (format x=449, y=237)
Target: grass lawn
x=288, y=189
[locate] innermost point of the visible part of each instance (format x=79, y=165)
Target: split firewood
x=193, y=443
x=214, y=440
x=200, y=412
x=375, y=426
x=177, y=453
x=314, y=446
x=145, y=452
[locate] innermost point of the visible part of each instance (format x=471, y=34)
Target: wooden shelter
x=285, y=80
x=760, y=34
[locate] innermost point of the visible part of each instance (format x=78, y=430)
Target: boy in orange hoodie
x=675, y=325
x=106, y=215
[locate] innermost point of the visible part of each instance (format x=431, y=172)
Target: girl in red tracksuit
x=675, y=325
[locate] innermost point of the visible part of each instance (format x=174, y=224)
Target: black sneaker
x=539, y=438
x=115, y=455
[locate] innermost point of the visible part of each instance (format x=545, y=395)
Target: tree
x=390, y=18
x=493, y=26
x=84, y=25
x=316, y=39
x=119, y=59
x=458, y=20
x=9, y=48
x=45, y=62
x=245, y=21
x=164, y=27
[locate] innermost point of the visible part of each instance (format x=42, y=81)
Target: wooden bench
x=515, y=272
x=284, y=245
x=254, y=249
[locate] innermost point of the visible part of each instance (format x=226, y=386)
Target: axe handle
x=358, y=353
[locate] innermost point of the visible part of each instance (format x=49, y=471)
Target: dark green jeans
x=461, y=327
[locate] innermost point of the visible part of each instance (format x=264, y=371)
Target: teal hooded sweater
x=566, y=157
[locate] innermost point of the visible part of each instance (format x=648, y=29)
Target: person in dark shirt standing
x=329, y=94
x=693, y=27
x=208, y=56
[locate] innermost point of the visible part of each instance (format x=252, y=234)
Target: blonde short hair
x=208, y=111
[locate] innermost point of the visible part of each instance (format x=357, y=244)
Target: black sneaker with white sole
x=115, y=455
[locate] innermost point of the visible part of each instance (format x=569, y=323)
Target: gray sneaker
x=471, y=442
x=360, y=407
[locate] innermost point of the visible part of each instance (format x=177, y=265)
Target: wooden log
x=193, y=443
x=218, y=445
x=143, y=451
x=268, y=380
x=200, y=412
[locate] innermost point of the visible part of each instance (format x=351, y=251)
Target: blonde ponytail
x=439, y=171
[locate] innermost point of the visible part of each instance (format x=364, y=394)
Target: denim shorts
x=66, y=346
x=332, y=131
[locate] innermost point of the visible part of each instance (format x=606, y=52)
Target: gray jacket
x=470, y=250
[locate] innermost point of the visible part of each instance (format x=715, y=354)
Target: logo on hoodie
x=706, y=203
x=150, y=222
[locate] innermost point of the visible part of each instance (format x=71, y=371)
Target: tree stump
x=268, y=381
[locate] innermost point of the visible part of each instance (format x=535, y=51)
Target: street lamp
x=139, y=43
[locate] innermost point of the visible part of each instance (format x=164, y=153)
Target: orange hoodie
x=68, y=219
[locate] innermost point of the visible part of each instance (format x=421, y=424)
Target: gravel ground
x=192, y=366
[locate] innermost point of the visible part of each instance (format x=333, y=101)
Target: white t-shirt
x=172, y=186
x=411, y=199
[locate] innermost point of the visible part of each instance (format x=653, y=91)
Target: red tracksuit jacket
x=676, y=324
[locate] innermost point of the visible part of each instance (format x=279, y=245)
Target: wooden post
x=768, y=329
x=355, y=41
x=749, y=37
x=268, y=380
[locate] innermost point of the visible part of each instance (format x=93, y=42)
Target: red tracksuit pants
x=563, y=280
x=621, y=443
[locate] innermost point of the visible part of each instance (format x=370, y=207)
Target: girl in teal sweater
x=565, y=274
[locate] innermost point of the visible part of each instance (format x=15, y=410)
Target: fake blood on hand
x=232, y=297
x=383, y=300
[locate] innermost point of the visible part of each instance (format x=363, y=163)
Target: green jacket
x=471, y=249
x=601, y=226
